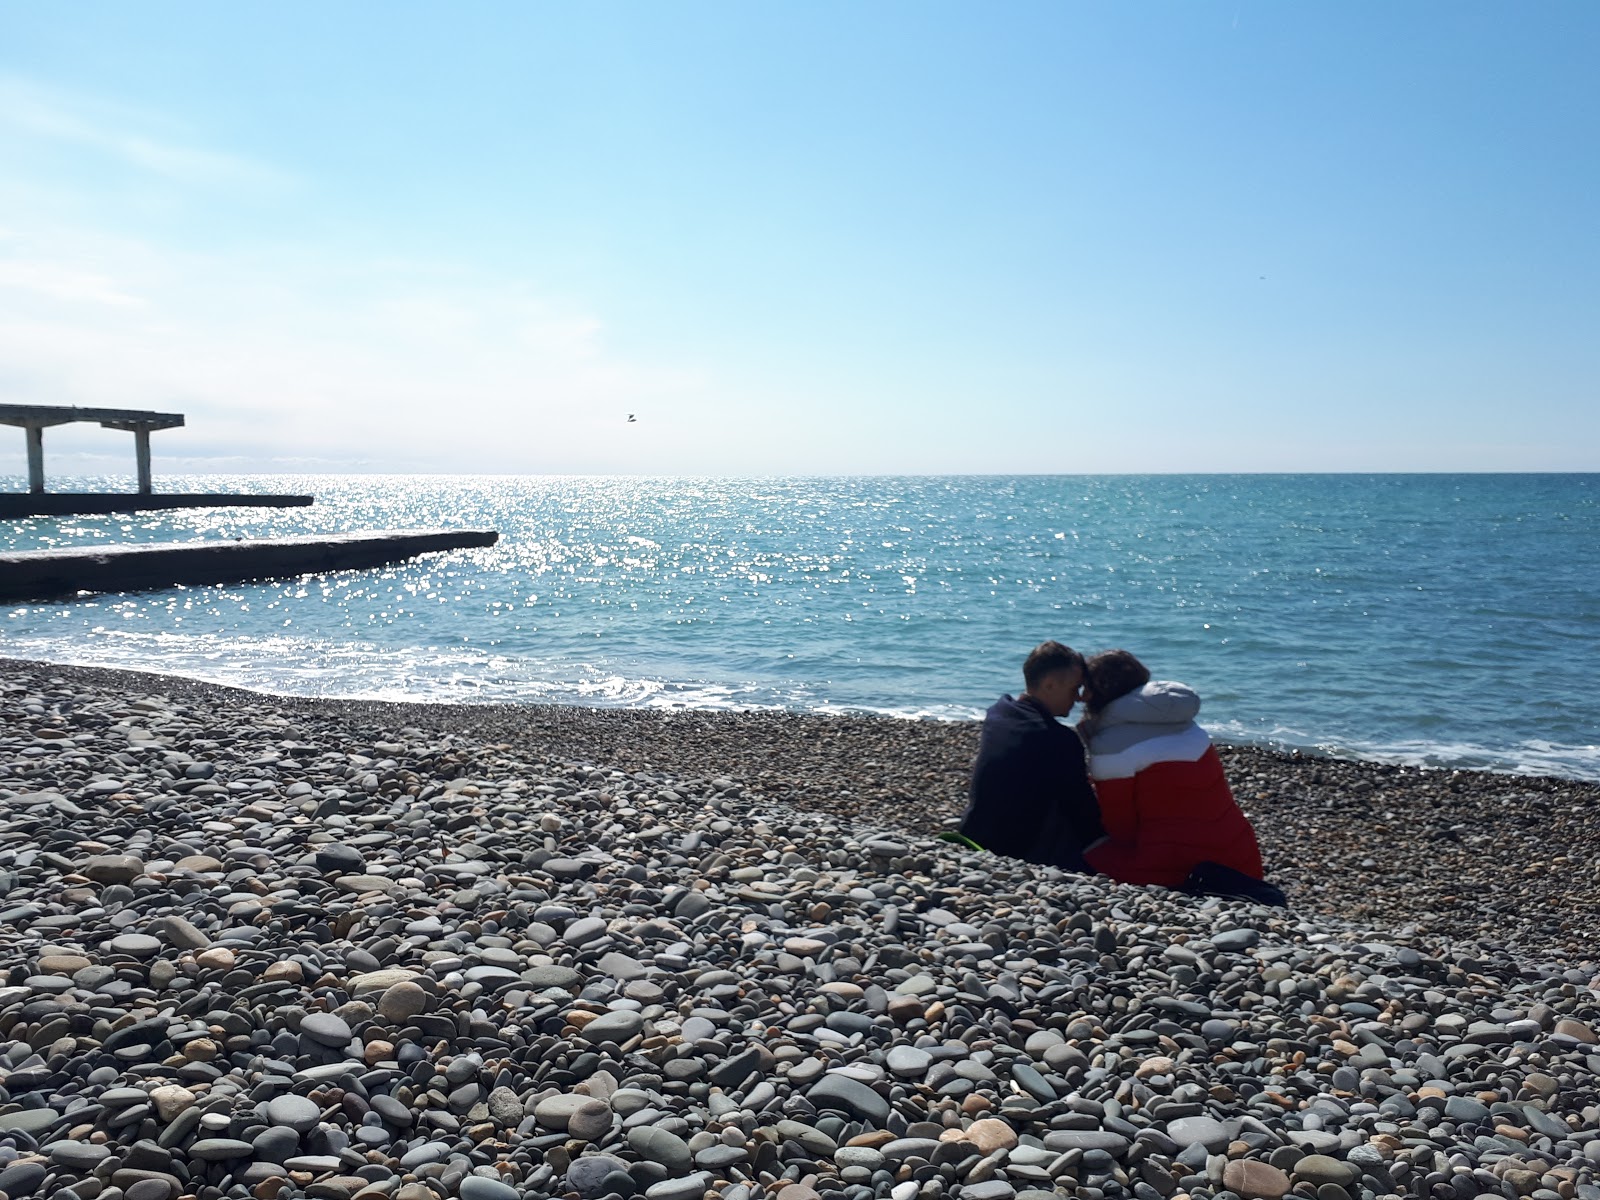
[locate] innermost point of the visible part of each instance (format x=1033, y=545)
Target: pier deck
x=62, y=504
x=53, y=574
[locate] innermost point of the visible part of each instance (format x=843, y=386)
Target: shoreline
x=1425, y=850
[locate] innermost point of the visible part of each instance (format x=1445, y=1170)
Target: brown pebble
x=377, y=1052
x=1255, y=1180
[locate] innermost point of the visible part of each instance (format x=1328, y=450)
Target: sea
x=1437, y=619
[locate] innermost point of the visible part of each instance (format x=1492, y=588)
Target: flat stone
x=1030, y=1081
x=590, y=1122
x=365, y=883
x=855, y=1097
x=816, y=1143
x=426, y=1153
x=78, y=1156
x=989, y=1189
x=555, y=1112
x=620, y=967
x=62, y=964
x=184, y=934
x=277, y=1144
x=112, y=868
x=586, y=1175
x=1232, y=940
x=296, y=1112
x=1202, y=1131
x=1061, y=1140
x=479, y=1187
x=1464, y=1108
x=217, y=958
x=29, y=1120
x=583, y=930
x=151, y=1189
x=219, y=1149
x=1577, y=1031
x=565, y=978
x=690, y=1187
x=988, y=1135
x=1319, y=1169
x=900, y=1149
x=198, y=864
x=21, y=1179
x=170, y=1100
x=616, y=1027
x=402, y=1001
x=661, y=1146
x=370, y=982
x=326, y=1029
x=1255, y=1180
x=136, y=945
x=908, y=1062
x=336, y=858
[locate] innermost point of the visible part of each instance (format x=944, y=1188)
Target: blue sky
x=820, y=238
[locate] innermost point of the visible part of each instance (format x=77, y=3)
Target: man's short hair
x=1046, y=659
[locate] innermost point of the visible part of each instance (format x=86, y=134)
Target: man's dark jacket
x=1030, y=796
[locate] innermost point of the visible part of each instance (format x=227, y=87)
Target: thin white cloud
x=129, y=135
x=59, y=281
x=281, y=364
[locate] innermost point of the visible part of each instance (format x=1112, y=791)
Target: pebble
x=367, y=951
x=1254, y=1180
x=21, y=1178
x=296, y=1112
x=1199, y=1131
x=325, y=1028
x=402, y=1001
x=613, y=1027
x=1319, y=1169
x=477, y=1187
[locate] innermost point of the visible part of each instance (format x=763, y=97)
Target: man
x=1030, y=795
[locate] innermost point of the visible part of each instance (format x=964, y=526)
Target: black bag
x=1214, y=879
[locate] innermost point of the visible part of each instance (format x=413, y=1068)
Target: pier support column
x=141, y=454
x=35, y=458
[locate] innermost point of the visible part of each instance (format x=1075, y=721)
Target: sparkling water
x=1442, y=619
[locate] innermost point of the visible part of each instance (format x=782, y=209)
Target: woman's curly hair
x=1111, y=676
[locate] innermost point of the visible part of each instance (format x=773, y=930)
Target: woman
x=1164, y=799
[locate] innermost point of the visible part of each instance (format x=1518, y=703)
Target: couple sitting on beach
x=1159, y=810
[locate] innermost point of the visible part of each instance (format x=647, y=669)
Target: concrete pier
x=52, y=574
x=62, y=504
x=36, y=418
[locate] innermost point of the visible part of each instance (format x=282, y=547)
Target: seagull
x=632, y=419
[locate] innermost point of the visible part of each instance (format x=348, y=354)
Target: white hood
x=1153, y=724
x=1159, y=702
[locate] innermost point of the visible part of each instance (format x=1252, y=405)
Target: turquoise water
x=1443, y=619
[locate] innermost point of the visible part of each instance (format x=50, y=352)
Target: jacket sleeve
x=1080, y=806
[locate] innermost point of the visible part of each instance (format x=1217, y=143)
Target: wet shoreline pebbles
x=273, y=948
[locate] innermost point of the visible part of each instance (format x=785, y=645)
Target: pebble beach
x=271, y=947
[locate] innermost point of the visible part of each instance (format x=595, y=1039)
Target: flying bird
x=632, y=419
